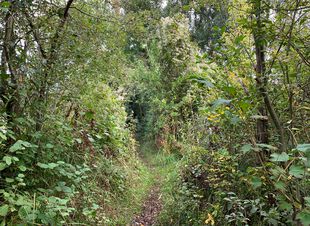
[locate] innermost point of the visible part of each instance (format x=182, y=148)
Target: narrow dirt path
x=150, y=209
x=153, y=203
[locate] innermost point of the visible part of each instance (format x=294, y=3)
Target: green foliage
x=207, y=20
x=212, y=183
x=67, y=153
x=78, y=81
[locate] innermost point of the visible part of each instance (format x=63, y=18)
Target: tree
x=207, y=20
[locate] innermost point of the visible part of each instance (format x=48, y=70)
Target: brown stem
x=262, y=80
x=50, y=60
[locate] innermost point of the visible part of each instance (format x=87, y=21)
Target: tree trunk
x=262, y=123
x=50, y=61
x=262, y=83
x=9, y=85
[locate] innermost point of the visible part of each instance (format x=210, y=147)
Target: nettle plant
x=51, y=200
x=290, y=174
x=284, y=184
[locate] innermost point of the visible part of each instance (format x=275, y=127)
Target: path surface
x=150, y=209
x=153, y=203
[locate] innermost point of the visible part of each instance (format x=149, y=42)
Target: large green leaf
x=256, y=182
x=2, y=166
x=297, y=171
x=283, y=205
x=23, y=201
x=2, y=136
x=277, y=171
x=186, y=8
x=5, y=4
x=4, y=210
x=8, y=160
x=303, y=148
x=304, y=217
x=283, y=157
x=246, y=148
x=22, y=168
x=24, y=211
x=49, y=146
x=21, y=145
x=220, y=102
x=280, y=185
x=48, y=166
x=203, y=82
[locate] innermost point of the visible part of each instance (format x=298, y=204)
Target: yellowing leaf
x=210, y=219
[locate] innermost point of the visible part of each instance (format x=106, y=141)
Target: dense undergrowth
x=77, y=169
x=68, y=153
x=210, y=188
x=216, y=92
x=228, y=168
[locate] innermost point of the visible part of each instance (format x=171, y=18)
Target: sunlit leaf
x=47, y=166
x=2, y=166
x=5, y=4
x=303, y=148
x=8, y=160
x=22, y=168
x=21, y=145
x=49, y=146
x=239, y=38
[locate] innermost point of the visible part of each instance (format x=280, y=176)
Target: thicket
x=235, y=114
x=221, y=88
x=67, y=154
